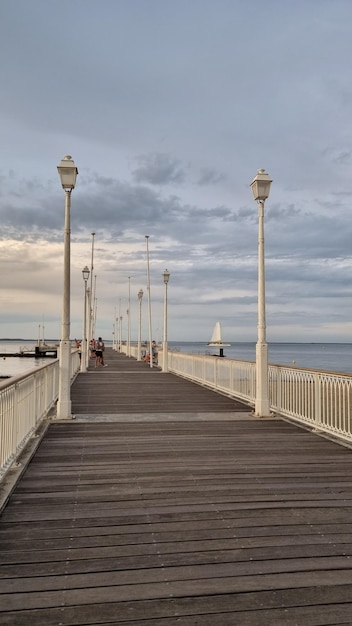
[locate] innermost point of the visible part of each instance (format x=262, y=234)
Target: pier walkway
x=163, y=503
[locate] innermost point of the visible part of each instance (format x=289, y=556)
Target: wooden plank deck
x=127, y=386
x=163, y=519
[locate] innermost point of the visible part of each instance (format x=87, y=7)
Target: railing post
x=15, y=425
x=318, y=405
x=35, y=398
x=278, y=387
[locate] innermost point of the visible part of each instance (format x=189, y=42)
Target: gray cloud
x=158, y=169
x=209, y=176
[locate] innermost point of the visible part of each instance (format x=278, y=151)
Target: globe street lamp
x=166, y=276
x=140, y=297
x=85, y=274
x=261, y=189
x=68, y=174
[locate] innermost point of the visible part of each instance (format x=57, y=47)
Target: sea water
x=328, y=357
x=14, y=366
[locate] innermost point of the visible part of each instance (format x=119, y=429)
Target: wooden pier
x=163, y=503
x=37, y=352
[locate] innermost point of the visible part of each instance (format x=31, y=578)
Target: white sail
x=216, y=336
x=216, y=339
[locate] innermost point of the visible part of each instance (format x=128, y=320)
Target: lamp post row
x=68, y=174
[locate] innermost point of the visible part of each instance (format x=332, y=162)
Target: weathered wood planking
x=215, y=522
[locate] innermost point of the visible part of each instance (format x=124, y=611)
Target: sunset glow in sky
x=168, y=110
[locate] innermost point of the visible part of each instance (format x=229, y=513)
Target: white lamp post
x=85, y=274
x=120, y=334
x=139, y=345
x=149, y=306
x=88, y=353
x=94, y=301
x=68, y=174
x=261, y=189
x=166, y=276
x=129, y=318
x=114, y=345
x=90, y=303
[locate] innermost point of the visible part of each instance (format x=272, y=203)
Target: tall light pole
x=261, y=189
x=94, y=305
x=120, y=334
x=166, y=276
x=129, y=318
x=149, y=306
x=85, y=274
x=90, y=303
x=139, y=345
x=114, y=332
x=89, y=340
x=68, y=174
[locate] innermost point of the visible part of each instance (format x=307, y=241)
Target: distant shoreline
x=288, y=343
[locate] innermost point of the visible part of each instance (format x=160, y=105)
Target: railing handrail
x=319, y=399
x=13, y=380
x=25, y=401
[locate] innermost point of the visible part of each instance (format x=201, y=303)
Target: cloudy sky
x=168, y=109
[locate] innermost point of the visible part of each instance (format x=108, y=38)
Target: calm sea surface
x=12, y=366
x=331, y=357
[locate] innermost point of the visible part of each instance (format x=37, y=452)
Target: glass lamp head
x=261, y=186
x=68, y=173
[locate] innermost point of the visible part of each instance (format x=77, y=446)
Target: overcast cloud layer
x=168, y=109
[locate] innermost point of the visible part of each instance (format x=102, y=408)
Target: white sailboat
x=216, y=339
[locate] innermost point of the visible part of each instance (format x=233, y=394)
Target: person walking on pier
x=79, y=346
x=99, y=353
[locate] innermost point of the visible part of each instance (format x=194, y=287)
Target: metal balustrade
x=25, y=400
x=321, y=400
x=228, y=376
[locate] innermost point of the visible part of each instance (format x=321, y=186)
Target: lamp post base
x=262, y=405
x=64, y=410
x=84, y=346
x=165, y=365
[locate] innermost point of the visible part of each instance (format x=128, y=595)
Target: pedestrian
x=79, y=346
x=154, y=352
x=99, y=353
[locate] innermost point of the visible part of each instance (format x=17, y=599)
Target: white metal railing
x=229, y=376
x=25, y=400
x=322, y=400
